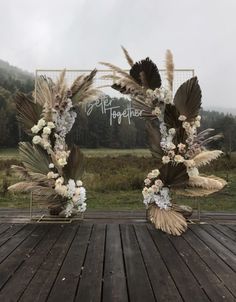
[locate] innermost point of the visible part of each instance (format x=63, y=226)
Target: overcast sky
x=79, y=33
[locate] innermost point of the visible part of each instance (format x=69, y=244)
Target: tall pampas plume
x=210, y=182
x=128, y=57
x=206, y=157
x=169, y=69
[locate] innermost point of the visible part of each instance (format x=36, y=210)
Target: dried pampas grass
x=169, y=68
x=168, y=221
x=210, y=182
x=206, y=157
x=128, y=58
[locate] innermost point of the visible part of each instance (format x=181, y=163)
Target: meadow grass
x=114, y=181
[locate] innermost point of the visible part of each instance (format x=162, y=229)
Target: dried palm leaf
x=28, y=113
x=154, y=138
x=168, y=221
x=205, y=157
x=75, y=164
x=149, y=70
x=169, y=69
x=188, y=98
x=174, y=175
x=34, y=158
x=128, y=58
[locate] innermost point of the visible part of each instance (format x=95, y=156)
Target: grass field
x=114, y=180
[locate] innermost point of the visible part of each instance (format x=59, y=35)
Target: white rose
x=36, y=139
x=182, y=118
x=145, y=192
x=165, y=159
x=172, y=131
x=150, y=176
x=60, y=181
x=51, y=125
x=155, y=172
x=150, y=190
x=79, y=183
x=179, y=159
x=46, y=130
x=41, y=123
x=155, y=188
x=51, y=166
x=35, y=129
x=62, y=161
x=159, y=183
x=198, y=118
x=156, y=111
x=147, y=181
x=186, y=125
x=170, y=146
x=197, y=124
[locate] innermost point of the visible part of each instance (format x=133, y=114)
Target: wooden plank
x=215, y=245
x=10, y=232
x=114, y=286
x=184, y=280
x=14, y=241
x=218, y=235
x=215, y=263
x=90, y=285
x=139, y=287
x=41, y=284
x=162, y=283
x=4, y=227
x=21, y=278
x=232, y=227
x=20, y=254
x=226, y=231
x=67, y=280
x=211, y=284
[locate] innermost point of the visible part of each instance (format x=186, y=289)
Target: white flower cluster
x=156, y=193
x=167, y=136
x=63, y=119
x=75, y=194
x=161, y=94
x=45, y=128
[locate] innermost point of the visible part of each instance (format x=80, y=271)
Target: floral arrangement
x=172, y=124
x=52, y=169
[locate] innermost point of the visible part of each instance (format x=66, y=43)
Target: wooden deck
x=116, y=262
